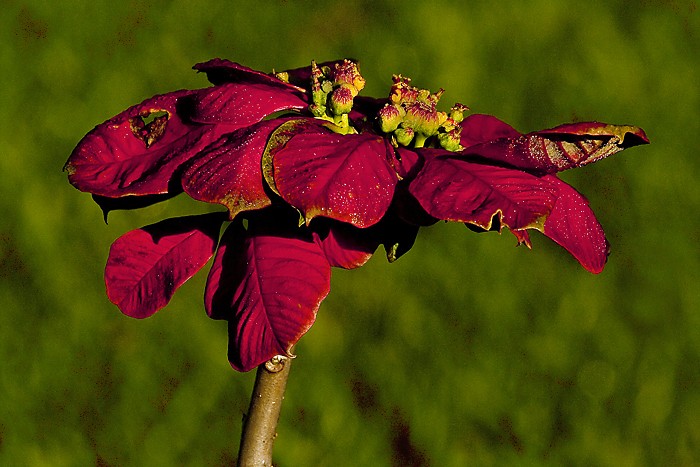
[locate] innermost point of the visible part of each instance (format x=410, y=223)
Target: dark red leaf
x=221, y=71
x=573, y=225
x=229, y=171
x=269, y=288
x=408, y=209
x=397, y=235
x=344, y=245
x=523, y=237
x=560, y=148
x=406, y=162
x=453, y=189
x=480, y=128
x=127, y=156
x=364, y=111
x=146, y=266
x=344, y=177
x=243, y=104
x=349, y=247
x=130, y=202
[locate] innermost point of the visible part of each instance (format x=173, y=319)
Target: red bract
x=313, y=176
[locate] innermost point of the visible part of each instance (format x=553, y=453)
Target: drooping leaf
x=229, y=171
x=138, y=151
x=556, y=149
x=349, y=247
x=269, y=288
x=344, y=177
x=407, y=208
x=146, y=266
x=573, y=225
x=454, y=189
x=243, y=104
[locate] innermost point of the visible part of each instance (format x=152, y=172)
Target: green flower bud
x=389, y=117
x=348, y=73
x=450, y=140
x=316, y=73
x=318, y=95
x=423, y=118
x=340, y=100
x=457, y=112
x=317, y=110
x=404, y=136
x=401, y=91
x=435, y=98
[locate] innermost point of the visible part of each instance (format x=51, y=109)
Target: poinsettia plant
x=315, y=176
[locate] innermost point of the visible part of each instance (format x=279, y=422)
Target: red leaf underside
x=462, y=191
x=573, y=225
x=558, y=149
x=269, y=288
x=344, y=245
x=221, y=71
x=146, y=266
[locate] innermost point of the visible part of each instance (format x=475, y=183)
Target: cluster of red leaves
x=302, y=198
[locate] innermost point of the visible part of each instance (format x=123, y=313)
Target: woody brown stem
x=260, y=425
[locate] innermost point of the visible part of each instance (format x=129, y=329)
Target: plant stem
x=260, y=425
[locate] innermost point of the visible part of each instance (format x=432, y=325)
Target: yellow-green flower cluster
x=411, y=117
x=333, y=91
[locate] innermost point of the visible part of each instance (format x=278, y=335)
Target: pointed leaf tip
x=547, y=151
x=573, y=225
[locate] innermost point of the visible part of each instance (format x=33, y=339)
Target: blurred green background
x=467, y=351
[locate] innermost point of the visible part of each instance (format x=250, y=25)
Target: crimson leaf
x=128, y=156
x=221, y=71
x=344, y=245
x=481, y=128
x=454, y=189
x=344, y=177
x=573, y=225
x=269, y=288
x=243, y=104
x=229, y=171
x=146, y=266
x=553, y=150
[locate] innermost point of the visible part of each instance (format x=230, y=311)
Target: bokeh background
x=467, y=351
